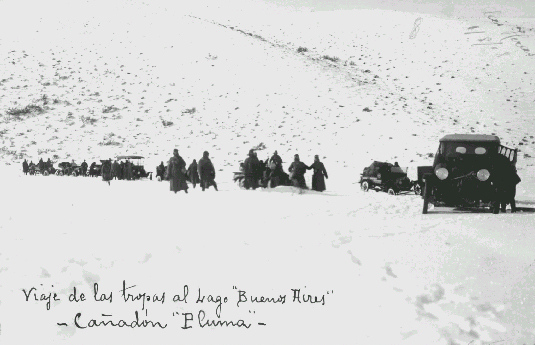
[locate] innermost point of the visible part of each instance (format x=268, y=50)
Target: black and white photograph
x=267, y=172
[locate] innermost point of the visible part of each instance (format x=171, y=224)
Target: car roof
x=129, y=157
x=471, y=138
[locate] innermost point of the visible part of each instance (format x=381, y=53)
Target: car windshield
x=457, y=149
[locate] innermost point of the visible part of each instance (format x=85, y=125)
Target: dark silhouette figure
x=251, y=170
x=319, y=175
x=129, y=172
x=106, y=171
x=83, y=167
x=115, y=170
x=275, y=173
x=206, y=172
x=193, y=173
x=276, y=159
x=92, y=170
x=25, y=167
x=121, y=170
x=160, y=171
x=506, y=178
x=297, y=173
x=176, y=172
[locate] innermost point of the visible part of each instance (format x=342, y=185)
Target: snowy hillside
x=93, y=80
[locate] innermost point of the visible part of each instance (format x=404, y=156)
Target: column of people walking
x=255, y=173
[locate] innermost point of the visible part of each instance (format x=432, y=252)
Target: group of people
x=29, y=168
x=270, y=173
x=114, y=170
x=202, y=173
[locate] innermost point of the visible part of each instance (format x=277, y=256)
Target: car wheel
x=45, y=173
x=365, y=186
x=427, y=195
x=73, y=173
x=417, y=189
x=391, y=191
x=159, y=178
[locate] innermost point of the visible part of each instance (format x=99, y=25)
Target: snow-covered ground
x=114, y=71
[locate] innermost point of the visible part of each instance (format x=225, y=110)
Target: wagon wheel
x=417, y=189
x=391, y=191
x=365, y=186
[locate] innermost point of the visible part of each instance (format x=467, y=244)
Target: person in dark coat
x=193, y=173
x=274, y=170
x=160, y=171
x=106, y=171
x=506, y=178
x=121, y=170
x=206, y=172
x=92, y=171
x=129, y=172
x=25, y=167
x=176, y=171
x=297, y=173
x=41, y=165
x=318, y=180
x=84, y=167
x=115, y=170
x=251, y=168
x=276, y=159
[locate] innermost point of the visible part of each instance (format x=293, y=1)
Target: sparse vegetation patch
x=88, y=120
x=109, y=140
x=166, y=123
x=109, y=109
x=331, y=58
x=30, y=109
x=190, y=111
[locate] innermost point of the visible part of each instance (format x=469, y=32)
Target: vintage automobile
x=138, y=170
x=45, y=170
x=381, y=176
x=465, y=170
x=68, y=168
x=94, y=170
x=50, y=170
x=33, y=169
